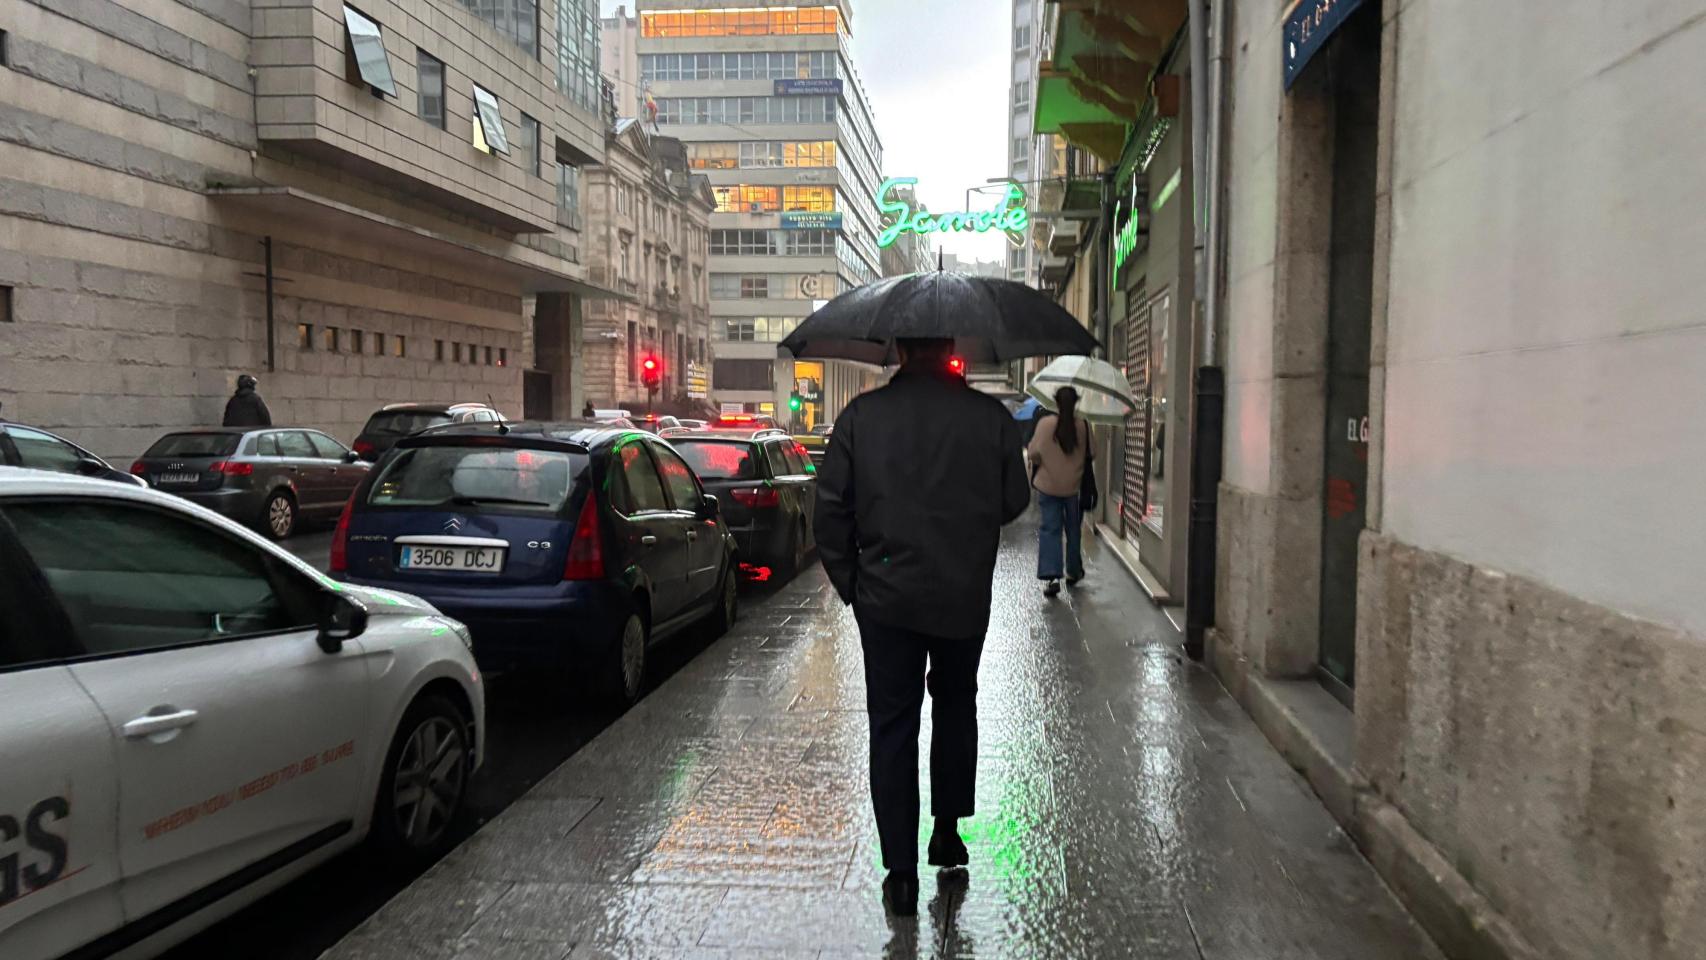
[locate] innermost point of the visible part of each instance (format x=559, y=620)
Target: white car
x=190, y=717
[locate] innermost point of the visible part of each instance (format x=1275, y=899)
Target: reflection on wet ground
x=1127, y=808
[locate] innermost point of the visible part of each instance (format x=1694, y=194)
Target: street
x=1127, y=808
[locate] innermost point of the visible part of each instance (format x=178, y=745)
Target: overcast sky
x=937, y=75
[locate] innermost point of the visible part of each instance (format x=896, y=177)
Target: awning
x=1095, y=84
x=526, y=269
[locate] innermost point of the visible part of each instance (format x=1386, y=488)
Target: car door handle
x=159, y=723
x=649, y=540
x=692, y=534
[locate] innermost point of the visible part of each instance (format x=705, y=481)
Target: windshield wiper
x=467, y=501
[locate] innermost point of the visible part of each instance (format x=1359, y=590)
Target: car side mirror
x=350, y=456
x=90, y=467
x=709, y=508
x=344, y=618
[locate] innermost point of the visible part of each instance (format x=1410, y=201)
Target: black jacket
x=918, y=480
x=247, y=409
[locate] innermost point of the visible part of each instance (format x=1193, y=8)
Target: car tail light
x=233, y=468
x=363, y=447
x=756, y=497
x=138, y=468
x=586, y=549
x=340, y=539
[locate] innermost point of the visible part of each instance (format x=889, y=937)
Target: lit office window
x=488, y=122
x=780, y=21
x=364, y=48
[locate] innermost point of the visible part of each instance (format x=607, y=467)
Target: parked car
x=191, y=718
x=270, y=477
x=746, y=421
x=395, y=421
x=656, y=423
x=36, y=449
x=816, y=442
x=567, y=547
x=694, y=424
x=767, y=489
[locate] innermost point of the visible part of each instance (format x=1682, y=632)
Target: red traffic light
x=957, y=366
x=651, y=371
x=650, y=364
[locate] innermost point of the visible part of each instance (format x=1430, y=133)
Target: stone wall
x=1552, y=750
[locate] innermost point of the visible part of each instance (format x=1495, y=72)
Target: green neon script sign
x=1126, y=240
x=1009, y=215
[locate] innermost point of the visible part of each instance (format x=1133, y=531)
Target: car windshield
x=469, y=477
x=718, y=460
x=194, y=445
x=401, y=423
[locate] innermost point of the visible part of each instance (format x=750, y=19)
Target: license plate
x=473, y=559
x=179, y=478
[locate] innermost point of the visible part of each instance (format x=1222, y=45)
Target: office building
x=356, y=204
x=767, y=101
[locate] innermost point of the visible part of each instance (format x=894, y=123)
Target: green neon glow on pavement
x=900, y=217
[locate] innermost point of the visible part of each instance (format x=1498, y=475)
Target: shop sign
x=811, y=221
x=900, y=217
x=1129, y=227
x=698, y=381
x=802, y=88
x=1307, y=26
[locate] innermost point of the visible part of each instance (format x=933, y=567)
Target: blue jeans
x=1060, y=513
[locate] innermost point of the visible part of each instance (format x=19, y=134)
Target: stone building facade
x=163, y=165
x=650, y=220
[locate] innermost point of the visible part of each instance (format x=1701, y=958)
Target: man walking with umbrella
x=918, y=480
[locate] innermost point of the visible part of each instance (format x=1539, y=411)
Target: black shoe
x=1074, y=581
x=1053, y=589
x=947, y=850
x=900, y=894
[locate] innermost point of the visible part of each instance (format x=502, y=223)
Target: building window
x=429, y=73
x=378, y=344
x=488, y=123
x=569, y=195
x=818, y=64
x=456, y=351
x=329, y=337
x=754, y=288
x=746, y=198
x=810, y=243
x=577, y=51
x=743, y=374
x=744, y=243
x=1022, y=37
x=781, y=21
x=516, y=19
x=438, y=350
x=741, y=110
x=811, y=199
x=355, y=341
x=364, y=53
x=473, y=354
x=305, y=336
x=503, y=356
x=1021, y=146
x=399, y=346
x=1021, y=95
x=489, y=357
x=530, y=144
x=633, y=348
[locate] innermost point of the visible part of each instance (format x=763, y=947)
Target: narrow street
x=1127, y=808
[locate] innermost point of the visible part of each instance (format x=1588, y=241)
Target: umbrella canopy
x=1104, y=394
x=989, y=320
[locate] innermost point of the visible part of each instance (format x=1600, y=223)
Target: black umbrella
x=990, y=321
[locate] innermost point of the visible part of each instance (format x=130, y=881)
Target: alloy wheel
x=432, y=772
x=280, y=516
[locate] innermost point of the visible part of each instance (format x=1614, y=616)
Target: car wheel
x=728, y=604
x=424, y=783
x=625, y=671
x=278, y=519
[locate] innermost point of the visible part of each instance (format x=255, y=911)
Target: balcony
x=1097, y=79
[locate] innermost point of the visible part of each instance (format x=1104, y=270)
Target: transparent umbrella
x=1104, y=394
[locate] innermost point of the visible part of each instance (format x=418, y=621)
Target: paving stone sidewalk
x=1127, y=808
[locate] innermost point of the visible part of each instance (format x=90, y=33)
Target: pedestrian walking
x=246, y=408
x=919, y=477
x=1060, y=456
x=588, y=411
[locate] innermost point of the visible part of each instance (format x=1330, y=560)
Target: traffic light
x=795, y=403
x=651, y=372
x=957, y=366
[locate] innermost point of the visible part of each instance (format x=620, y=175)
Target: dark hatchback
x=36, y=449
x=270, y=478
x=569, y=547
x=767, y=487
x=395, y=421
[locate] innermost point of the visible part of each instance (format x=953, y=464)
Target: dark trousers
x=895, y=680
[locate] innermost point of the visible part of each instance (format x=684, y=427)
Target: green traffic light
x=794, y=402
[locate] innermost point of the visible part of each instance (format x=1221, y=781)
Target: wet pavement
x=1126, y=808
